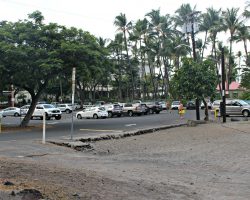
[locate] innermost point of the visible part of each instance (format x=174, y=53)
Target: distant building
x=235, y=90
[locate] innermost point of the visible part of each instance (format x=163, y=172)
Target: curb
x=82, y=143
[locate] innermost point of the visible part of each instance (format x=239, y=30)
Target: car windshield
x=243, y=103
x=176, y=103
x=101, y=108
x=48, y=106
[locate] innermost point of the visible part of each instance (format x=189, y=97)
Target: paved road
x=62, y=128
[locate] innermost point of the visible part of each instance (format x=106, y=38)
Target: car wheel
x=151, y=111
x=130, y=113
x=58, y=117
x=67, y=111
x=245, y=113
x=95, y=116
x=110, y=114
x=79, y=116
x=47, y=117
x=16, y=115
x=157, y=112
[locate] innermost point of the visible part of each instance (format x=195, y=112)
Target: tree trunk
x=35, y=98
x=245, y=48
x=165, y=62
x=129, y=66
x=206, y=110
x=204, y=45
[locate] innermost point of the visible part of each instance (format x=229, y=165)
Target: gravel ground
x=210, y=161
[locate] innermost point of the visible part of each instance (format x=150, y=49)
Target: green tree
x=232, y=22
x=124, y=27
x=195, y=80
x=29, y=56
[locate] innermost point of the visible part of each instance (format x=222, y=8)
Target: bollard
x=215, y=114
x=44, y=122
x=0, y=124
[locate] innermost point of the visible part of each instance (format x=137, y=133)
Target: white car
x=175, y=105
x=11, y=111
x=209, y=105
x=1, y=114
x=24, y=109
x=65, y=107
x=92, y=112
x=77, y=106
x=49, y=110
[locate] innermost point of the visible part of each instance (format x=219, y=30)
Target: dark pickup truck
x=152, y=107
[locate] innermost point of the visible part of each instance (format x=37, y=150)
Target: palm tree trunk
x=245, y=47
x=166, y=67
x=230, y=64
x=129, y=65
x=204, y=45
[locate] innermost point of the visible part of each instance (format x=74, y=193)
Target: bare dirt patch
x=210, y=161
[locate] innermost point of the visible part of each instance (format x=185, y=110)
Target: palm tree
x=243, y=34
x=124, y=27
x=153, y=53
x=239, y=55
x=182, y=16
x=139, y=33
x=231, y=22
x=116, y=51
x=246, y=12
x=211, y=24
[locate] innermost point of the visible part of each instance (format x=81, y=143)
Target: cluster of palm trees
x=146, y=53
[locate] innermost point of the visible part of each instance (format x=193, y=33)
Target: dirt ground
x=210, y=161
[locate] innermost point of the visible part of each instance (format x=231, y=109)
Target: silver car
x=11, y=111
x=233, y=107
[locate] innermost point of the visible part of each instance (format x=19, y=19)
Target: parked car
x=11, y=111
x=113, y=110
x=190, y=105
x=1, y=114
x=175, y=105
x=247, y=101
x=24, y=109
x=209, y=105
x=233, y=107
x=163, y=105
x=133, y=109
x=76, y=106
x=65, y=108
x=49, y=109
x=153, y=107
x=92, y=112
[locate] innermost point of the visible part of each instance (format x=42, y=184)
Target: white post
x=0, y=123
x=44, y=128
x=12, y=96
x=73, y=101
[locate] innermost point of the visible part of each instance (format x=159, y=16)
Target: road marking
x=130, y=124
x=98, y=130
x=51, y=123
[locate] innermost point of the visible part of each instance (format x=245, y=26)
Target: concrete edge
x=82, y=143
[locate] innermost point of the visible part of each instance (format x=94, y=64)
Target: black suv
x=152, y=107
x=190, y=105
